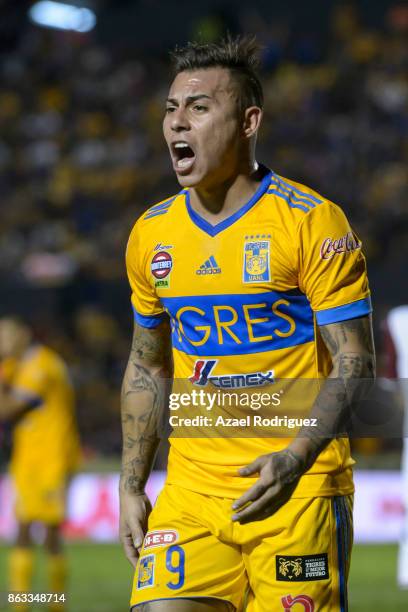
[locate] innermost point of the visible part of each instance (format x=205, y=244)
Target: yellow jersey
x=245, y=298
x=45, y=437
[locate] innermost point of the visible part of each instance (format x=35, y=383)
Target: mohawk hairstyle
x=239, y=55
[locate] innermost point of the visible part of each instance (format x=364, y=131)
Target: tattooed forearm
x=151, y=345
x=351, y=365
x=351, y=347
x=330, y=341
x=143, y=400
x=359, y=330
x=138, y=379
x=127, y=418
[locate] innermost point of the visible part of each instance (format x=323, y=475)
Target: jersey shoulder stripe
x=162, y=207
x=295, y=195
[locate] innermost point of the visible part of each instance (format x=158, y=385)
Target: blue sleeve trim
x=360, y=308
x=148, y=321
x=31, y=400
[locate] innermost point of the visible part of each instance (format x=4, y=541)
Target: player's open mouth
x=183, y=156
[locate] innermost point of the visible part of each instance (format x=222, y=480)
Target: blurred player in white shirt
x=397, y=326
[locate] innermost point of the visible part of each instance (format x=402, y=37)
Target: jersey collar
x=213, y=230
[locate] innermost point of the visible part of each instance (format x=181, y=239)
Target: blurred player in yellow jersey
x=242, y=278
x=36, y=397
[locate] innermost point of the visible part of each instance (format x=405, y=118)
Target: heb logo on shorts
x=203, y=368
x=145, y=577
x=288, y=602
x=301, y=568
x=160, y=538
x=345, y=244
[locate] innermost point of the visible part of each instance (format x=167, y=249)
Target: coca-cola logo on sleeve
x=331, y=247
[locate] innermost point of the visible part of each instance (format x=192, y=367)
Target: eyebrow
x=189, y=99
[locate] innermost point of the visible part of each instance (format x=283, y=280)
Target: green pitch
x=101, y=577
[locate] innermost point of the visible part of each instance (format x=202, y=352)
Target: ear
x=251, y=121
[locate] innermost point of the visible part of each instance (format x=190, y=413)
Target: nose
x=179, y=120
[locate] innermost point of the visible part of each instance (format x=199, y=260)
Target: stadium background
x=82, y=155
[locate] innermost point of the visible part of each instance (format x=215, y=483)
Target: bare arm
x=143, y=403
x=351, y=347
x=13, y=407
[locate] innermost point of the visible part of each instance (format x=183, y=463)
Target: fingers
x=273, y=498
x=132, y=539
x=258, y=488
x=134, y=513
x=132, y=554
x=137, y=536
x=252, y=468
x=256, y=511
x=254, y=493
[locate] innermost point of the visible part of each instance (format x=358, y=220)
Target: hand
x=279, y=474
x=134, y=512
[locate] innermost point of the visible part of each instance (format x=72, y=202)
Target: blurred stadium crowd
x=82, y=155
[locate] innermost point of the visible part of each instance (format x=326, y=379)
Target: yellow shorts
x=39, y=499
x=297, y=560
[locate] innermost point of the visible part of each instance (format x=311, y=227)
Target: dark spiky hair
x=239, y=55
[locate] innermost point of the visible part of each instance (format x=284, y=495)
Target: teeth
x=180, y=145
x=185, y=162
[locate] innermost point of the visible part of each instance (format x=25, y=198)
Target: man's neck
x=222, y=201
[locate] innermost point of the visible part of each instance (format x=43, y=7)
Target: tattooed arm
x=351, y=347
x=144, y=398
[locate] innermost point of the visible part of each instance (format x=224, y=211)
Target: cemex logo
x=204, y=367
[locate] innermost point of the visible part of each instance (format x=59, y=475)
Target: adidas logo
x=210, y=266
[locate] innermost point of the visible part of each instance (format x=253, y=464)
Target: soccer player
x=36, y=397
x=241, y=277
